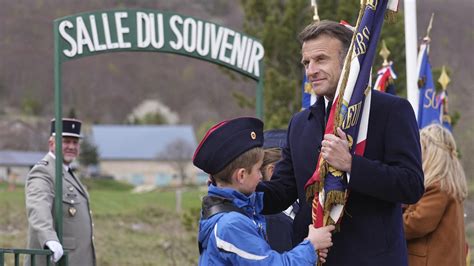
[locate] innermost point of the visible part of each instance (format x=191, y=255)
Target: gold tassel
x=311, y=191
x=334, y=197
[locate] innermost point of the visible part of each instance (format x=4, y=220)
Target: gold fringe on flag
x=317, y=187
x=311, y=191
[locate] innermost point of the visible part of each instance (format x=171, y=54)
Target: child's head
x=440, y=161
x=273, y=142
x=231, y=153
x=270, y=157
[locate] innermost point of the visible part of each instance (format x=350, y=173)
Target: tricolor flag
x=327, y=188
x=308, y=97
x=385, y=78
x=429, y=107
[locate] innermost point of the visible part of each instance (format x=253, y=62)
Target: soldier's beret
x=71, y=127
x=227, y=140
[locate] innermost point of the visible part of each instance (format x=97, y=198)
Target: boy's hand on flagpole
x=335, y=150
x=322, y=254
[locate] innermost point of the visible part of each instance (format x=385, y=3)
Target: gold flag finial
x=315, y=8
x=444, y=78
x=384, y=53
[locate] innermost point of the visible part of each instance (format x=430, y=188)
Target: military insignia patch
x=42, y=162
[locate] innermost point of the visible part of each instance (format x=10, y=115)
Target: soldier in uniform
x=40, y=193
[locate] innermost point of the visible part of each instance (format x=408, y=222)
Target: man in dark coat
x=388, y=174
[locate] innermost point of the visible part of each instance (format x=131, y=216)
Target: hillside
x=106, y=88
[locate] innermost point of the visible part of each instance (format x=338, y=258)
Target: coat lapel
x=75, y=182
x=68, y=178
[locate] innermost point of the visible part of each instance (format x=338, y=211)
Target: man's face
x=70, y=148
x=252, y=178
x=321, y=58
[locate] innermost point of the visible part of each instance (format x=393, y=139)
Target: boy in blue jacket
x=231, y=229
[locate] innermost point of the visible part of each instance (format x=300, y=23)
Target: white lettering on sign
x=256, y=56
x=216, y=39
x=83, y=37
x=95, y=36
x=178, y=44
x=121, y=30
x=147, y=31
x=225, y=45
x=203, y=38
x=108, y=39
x=189, y=34
x=62, y=31
x=115, y=30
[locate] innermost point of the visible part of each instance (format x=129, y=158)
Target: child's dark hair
x=246, y=160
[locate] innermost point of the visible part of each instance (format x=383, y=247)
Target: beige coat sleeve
x=39, y=203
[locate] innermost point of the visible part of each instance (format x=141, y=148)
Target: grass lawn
x=130, y=228
x=138, y=229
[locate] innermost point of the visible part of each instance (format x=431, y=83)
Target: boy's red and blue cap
x=227, y=140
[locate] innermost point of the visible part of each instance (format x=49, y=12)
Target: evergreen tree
x=89, y=155
x=72, y=113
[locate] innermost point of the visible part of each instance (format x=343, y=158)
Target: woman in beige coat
x=434, y=226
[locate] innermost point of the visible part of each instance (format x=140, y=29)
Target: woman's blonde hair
x=440, y=161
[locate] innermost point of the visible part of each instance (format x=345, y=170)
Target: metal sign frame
x=91, y=33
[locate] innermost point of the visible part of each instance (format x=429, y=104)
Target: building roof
x=139, y=142
x=20, y=158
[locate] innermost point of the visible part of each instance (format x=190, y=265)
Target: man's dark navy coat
x=388, y=174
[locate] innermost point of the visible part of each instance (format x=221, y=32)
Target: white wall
x=146, y=172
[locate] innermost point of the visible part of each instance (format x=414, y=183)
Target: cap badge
x=73, y=126
x=253, y=135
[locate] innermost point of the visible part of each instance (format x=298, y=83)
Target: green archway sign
x=97, y=32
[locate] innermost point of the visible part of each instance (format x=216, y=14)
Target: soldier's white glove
x=56, y=248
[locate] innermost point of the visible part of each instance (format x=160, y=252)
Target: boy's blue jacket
x=234, y=239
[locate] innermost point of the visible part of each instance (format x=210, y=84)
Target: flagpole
x=307, y=94
x=428, y=31
x=411, y=54
x=384, y=53
x=315, y=8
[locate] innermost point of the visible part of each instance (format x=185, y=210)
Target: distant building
x=147, y=154
x=17, y=163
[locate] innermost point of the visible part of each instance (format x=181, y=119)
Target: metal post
x=58, y=212
x=259, y=98
x=411, y=54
